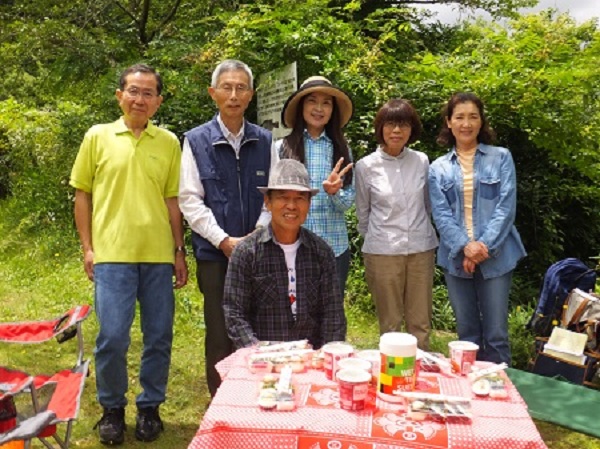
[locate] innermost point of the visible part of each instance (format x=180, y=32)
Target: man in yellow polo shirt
x=126, y=177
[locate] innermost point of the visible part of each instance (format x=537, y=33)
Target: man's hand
x=88, y=263
x=476, y=251
x=228, y=244
x=334, y=181
x=180, y=270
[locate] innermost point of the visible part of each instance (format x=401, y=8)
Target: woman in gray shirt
x=393, y=210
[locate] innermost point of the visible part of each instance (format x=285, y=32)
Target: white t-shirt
x=290, y=260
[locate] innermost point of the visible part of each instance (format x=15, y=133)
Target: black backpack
x=562, y=277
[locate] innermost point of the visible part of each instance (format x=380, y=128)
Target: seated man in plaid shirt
x=281, y=284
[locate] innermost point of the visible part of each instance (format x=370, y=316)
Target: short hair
x=446, y=138
x=231, y=65
x=398, y=110
x=141, y=68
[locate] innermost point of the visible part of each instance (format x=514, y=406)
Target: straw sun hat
x=317, y=84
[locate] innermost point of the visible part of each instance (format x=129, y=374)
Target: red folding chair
x=55, y=399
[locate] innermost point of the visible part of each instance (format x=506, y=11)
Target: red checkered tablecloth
x=234, y=420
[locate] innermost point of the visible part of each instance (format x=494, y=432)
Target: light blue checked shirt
x=326, y=216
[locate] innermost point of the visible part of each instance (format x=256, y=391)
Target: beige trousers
x=402, y=289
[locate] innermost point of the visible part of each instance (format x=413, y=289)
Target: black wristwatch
x=180, y=249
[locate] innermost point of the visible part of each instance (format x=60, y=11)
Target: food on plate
x=436, y=406
x=497, y=387
x=267, y=398
x=481, y=387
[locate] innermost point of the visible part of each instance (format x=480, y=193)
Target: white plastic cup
x=332, y=353
x=462, y=356
x=354, y=363
x=353, y=388
x=374, y=357
x=397, y=371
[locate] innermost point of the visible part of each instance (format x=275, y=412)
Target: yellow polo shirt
x=129, y=180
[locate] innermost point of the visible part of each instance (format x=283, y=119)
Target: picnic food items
x=273, y=356
x=437, y=406
x=397, y=370
x=277, y=393
x=488, y=381
x=353, y=388
x=462, y=356
x=317, y=360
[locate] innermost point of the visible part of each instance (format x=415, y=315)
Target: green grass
x=38, y=281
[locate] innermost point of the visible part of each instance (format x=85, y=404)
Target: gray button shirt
x=392, y=203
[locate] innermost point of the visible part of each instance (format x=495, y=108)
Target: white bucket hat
x=289, y=174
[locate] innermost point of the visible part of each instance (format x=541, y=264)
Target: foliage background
x=59, y=67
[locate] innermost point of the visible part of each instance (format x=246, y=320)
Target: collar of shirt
x=385, y=155
x=234, y=139
x=323, y=135
x=267, y=234
x=122, y=127
x=483, y=148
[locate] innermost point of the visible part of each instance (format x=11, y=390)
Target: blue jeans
x=481, y=309
x=117, y=286
x=342, y=264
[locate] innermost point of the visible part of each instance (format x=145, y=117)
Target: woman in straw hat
x=392, y=207
x=316, y=113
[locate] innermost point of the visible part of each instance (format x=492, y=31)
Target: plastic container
x=462, y=356
x=354, y=363
x=332, y=353
x=397, y=371
x=374, y=357
x=354, y=388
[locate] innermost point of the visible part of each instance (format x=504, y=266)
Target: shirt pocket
x=489, y=187
x=265, y=290
x=449, y=191
x=214, y=186
x=156, y=167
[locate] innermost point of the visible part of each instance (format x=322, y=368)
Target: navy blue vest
x=230, y=185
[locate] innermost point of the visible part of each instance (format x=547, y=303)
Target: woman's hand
x=334, y=181
x=476, y=251
x=469, y=265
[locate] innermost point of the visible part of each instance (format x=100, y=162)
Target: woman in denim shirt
x=473, y=194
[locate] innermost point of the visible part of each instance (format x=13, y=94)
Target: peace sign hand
x=334, y=181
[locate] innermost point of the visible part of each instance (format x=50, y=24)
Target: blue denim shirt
x=494, y=210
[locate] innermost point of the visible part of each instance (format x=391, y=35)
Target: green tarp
x=559, y=402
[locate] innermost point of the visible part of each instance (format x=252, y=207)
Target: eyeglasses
x=393, y=125
x=242, y=89
x=146, y=95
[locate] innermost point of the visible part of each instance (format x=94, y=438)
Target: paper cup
x=354, y=363
x=353, y=387
x=332, y=354
x=374, y=357
x=462, y=356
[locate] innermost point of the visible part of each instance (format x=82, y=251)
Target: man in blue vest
x=223, y=163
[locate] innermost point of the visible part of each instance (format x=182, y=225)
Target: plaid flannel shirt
x=256, y=301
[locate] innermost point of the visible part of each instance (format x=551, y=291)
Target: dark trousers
x=342, y=263
x=217, y=345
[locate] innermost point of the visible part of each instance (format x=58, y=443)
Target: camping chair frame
x=63, y=405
